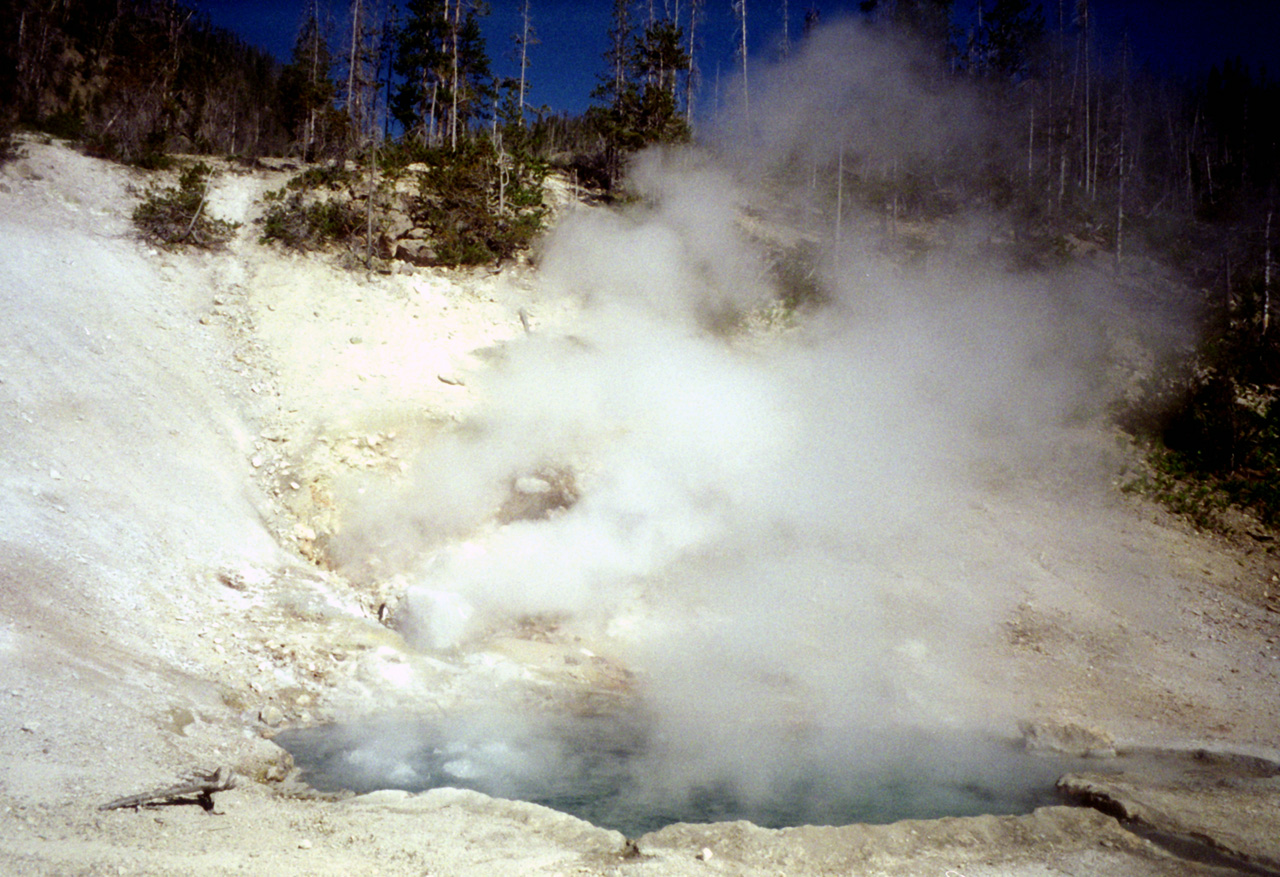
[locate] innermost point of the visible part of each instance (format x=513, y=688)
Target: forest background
x=1113, y=154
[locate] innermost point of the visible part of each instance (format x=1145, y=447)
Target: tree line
x=1084, y=144
x=136, y=79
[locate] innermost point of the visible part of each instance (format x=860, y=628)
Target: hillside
x=245, y=491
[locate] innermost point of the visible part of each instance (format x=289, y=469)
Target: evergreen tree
x=441, y=58
x=928, y=21
x=641, y=88
x=420, y=62
x=660, y=60
x=307, y=90
x=1011, y=36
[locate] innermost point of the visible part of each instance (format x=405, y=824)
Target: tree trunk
x=1121, y=171
x=786, y=31
x=453, y=112
x=1266, y=278
x=695, y=9
x=1031, y=143
x=742, y=50
x=524, y=56
x=352, y=103
x=368, y=202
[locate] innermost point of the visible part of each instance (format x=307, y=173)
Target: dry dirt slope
x=156, y=604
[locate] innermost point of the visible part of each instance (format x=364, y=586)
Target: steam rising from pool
x=788, y=528
x=609, y=770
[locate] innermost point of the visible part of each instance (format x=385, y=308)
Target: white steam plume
x=776, y=530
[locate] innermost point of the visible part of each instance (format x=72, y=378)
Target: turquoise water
x=618, y=773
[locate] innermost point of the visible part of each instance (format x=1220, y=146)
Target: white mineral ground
x=184, y=432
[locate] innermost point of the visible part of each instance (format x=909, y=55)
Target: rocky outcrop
x=1220, y=808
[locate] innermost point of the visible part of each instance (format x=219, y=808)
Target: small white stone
x=531, y=485
x=304, y=844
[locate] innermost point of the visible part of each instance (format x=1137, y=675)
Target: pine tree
x=928, y=21
x=306, y=86
x=420, y=62
x=1013, y=32
x=641, y=89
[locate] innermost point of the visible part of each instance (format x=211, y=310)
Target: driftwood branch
x=204, y=196
x=199, y=787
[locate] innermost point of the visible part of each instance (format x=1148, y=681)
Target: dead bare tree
x=1266, y=276
x=691, y=77
x=740, y=9
x=785, y=47
x=527, y=37
x=1121, y=170
x=353, y=61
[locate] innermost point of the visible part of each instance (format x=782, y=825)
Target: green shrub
x=301, y=225
x=479, y=206
x=1175, y=485
x=176, y=215
x=66, y=125
x=9, y=148
x=1214, y=427
x=329, y=176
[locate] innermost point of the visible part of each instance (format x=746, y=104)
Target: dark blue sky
x=1184, y=35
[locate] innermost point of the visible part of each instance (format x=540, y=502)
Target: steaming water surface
x=820, y=513
x=610, y=771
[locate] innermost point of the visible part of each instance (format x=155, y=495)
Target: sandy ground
x=181, y=433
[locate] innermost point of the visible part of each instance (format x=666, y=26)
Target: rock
x=1220, y=803
x=1067, y=738
x=530, y=485
x=398, y=226
x=265, y=763
x=416, y=252
x=270, y=715
x=381, y=797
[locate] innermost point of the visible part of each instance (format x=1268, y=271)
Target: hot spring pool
x=618, y=773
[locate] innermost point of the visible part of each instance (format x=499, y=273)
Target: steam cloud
x=776, y=530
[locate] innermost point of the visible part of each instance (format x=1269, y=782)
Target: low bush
x=9, y=148
x=478, y=205
x=176, y=215
x=299, y=224
x=328, y=176
x=1213, y=427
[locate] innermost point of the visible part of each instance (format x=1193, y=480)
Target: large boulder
x=416, y=252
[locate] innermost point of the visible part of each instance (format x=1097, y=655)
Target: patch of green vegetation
x=1170, y=482
x=1214, y=427
x=176, y=215
x=329, y=176
x=9, y=148
x=68, y=124
x=301, y=224
x=798, y=277
x=480, y=206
